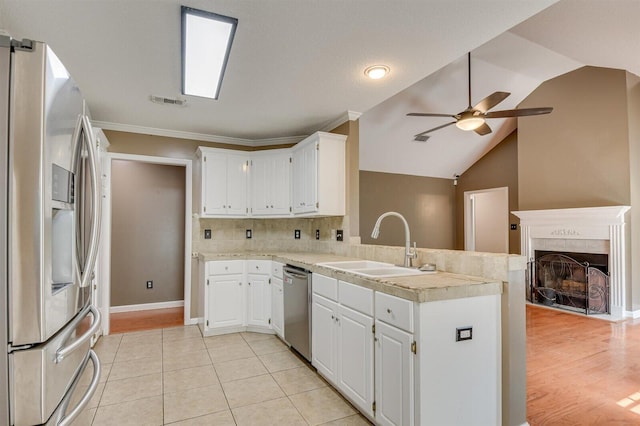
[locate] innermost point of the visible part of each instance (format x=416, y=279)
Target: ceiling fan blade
x=422, y=137
x=490, y=101
x=428, y=114
x=518, y=112
x=483, y=130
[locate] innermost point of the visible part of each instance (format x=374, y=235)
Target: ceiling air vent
x=167, y=101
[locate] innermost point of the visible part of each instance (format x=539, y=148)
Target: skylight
x=206, y=43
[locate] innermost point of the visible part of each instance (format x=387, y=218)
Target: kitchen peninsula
x=462, y=327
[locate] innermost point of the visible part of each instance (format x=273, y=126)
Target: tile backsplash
x=229, y=235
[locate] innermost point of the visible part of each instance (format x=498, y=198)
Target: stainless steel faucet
x=409, y=254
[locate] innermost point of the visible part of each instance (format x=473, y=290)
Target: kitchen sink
x=370, y=268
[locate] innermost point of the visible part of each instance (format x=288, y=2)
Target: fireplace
x=577, y=259
x=577, y=282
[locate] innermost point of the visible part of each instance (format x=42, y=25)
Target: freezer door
x=49, y=252
x=40, y=377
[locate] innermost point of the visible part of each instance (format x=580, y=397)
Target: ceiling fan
x=473, y=118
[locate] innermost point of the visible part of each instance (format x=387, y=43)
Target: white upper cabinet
x=224, y=182
x=270, y=173
x=305, y=180
x=318, y=175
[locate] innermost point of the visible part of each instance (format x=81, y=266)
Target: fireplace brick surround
x=598, y=230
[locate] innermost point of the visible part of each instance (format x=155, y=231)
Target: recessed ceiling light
x=206, y=43
x=376, y=72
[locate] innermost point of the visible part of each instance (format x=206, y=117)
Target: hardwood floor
x=580, y=370
x=124, y=322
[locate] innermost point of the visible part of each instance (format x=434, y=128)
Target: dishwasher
x=297, y=309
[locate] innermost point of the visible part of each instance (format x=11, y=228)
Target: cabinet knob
x=388, y=310
x=266, y=207
x=271, y=206
x=239, y=283
x=332, y=317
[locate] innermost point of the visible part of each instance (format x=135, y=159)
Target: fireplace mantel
x=598, y=228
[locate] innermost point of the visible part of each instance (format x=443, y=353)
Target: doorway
x=114, y=162
x=486, y=220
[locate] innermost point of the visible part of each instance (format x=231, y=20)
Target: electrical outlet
x=149, y=284
x=296, y=234
x=339, y=236
x=514, y=226
x=248, y=234
x=464, y=333
x=317, y=234
x=207, y=234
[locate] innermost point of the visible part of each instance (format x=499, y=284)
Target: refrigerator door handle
x=68, y=419
x=95, y=325
x=96, y=204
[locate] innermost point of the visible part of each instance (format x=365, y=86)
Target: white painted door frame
x=105, y=245
x=470, y=214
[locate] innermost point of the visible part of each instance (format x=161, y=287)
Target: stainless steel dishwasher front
x=297, y=309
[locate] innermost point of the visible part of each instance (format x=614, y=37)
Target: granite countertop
x=427, y=287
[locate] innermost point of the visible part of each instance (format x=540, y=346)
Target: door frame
x=469, y=216
x=105, y=245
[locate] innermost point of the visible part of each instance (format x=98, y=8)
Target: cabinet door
x=394, y=376
x=258, y=300
x=324, y=337
x=310, y=153
x=214, y=184
x=226, y=301
x=236, y=181
x=279, y=181
x=297, y=181
x=277, y=312
x=260, y=183
x=355, y=357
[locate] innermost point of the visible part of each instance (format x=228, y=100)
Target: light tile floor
x=175, y=376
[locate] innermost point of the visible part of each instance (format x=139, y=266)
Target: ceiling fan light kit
x=474, y=118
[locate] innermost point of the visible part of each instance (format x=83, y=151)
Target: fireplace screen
x=570, y=282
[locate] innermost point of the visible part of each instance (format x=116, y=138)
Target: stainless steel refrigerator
x=49, y=227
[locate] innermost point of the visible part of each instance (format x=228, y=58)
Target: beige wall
x=352, y=156
x=577, y=156
x=498, y=168
x=147, y=238
x=427, y=203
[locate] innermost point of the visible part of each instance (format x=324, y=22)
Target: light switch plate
x=207, y=234
x=248, y=234
x=464, y=333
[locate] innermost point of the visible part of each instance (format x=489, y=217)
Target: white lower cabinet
x=324, y=338
x=258, y=300
x=277, y=311
x=355, y=358
x=394, y=375
x=226, y=307
x=238, y=296
x=416, y=365
x=342, y=345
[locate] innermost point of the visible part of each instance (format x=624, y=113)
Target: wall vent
x=167, y=101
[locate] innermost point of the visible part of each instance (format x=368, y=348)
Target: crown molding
x=130, y=128
x=343, y=118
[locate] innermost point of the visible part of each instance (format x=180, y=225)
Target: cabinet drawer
x=259, y=267
x=394, y=311
x=356, y=297
x=325, y=286
x=276, y=269
x=224, y=267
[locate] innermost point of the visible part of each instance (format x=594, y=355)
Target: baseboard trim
x=146, y=306
x=632, y=314
x=192, y=321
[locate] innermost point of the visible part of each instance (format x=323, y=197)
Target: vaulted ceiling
x=297, y=66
